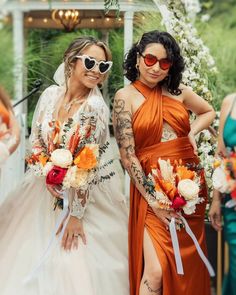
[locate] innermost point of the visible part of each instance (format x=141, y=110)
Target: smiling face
x=89, y=78
x=152, y=75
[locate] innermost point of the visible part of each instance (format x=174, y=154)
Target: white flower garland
x=206, y=150
x=177, y=18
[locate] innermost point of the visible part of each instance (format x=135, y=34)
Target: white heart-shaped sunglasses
x=90, y=63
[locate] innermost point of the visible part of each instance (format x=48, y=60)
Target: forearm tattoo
x=125, y=139
x=157, y=291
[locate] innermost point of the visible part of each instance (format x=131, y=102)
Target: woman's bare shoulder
x=228, y=99
x=126, y=91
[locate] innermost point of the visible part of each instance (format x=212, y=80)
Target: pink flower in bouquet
x=178, y=202
x=56, y=175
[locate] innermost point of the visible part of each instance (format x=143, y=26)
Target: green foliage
x=6, y=60
x=219, y=35
x=108, y=4
x=147, y=21
x=116, y=41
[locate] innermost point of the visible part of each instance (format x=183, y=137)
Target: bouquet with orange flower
x=176, y=186
x=71, y=156
x=224, y=175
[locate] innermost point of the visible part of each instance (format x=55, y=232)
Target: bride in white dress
x=91, y=258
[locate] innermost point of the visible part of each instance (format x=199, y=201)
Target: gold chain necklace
x=67, y=106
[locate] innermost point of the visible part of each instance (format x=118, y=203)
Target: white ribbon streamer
x=45, y=254
x=231, y=203
x=175, y=244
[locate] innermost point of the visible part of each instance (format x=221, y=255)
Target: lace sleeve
x=42, y=115
x=95, y=114
x=97, y=106
x=79, y=203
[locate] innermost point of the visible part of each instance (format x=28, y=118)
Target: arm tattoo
x=125, y=139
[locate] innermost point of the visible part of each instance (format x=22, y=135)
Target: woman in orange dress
x=151, y=121
x=9, y=130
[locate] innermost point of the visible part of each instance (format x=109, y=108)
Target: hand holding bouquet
x=70, y=158
x=176, y=186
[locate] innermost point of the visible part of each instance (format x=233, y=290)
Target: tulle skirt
x=27, y=221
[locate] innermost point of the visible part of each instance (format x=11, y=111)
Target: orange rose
x=184, y=173
x=86, y=159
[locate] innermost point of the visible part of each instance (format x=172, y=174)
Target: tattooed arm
x=122, y=121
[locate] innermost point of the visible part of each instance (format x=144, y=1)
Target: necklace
x=67, y=106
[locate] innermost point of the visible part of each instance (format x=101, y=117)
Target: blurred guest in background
x=226, y=141
x=9, y=129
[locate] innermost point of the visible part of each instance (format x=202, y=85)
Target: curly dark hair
x=173, y=53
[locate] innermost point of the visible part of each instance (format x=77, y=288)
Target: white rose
x=62, y=158
x=219, y=180
x=188, y=189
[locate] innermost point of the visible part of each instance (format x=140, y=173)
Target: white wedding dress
x=27, y=221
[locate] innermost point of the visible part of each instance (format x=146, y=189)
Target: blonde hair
x=5, y=99
x=75, y=48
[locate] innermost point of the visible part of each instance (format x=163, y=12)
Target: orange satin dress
x=147, y=127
